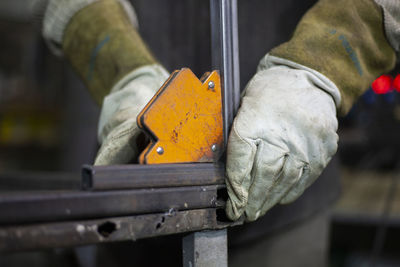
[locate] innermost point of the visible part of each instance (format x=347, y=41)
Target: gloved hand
x=99, y=39
x=117, y=131
x=285, y=131
x=282, y=137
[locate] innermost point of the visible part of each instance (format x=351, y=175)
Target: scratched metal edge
x=102, y=178
x=31, y=207
x=76, y=233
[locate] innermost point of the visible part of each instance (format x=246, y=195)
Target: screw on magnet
x=160, y=150
x=214, y=148
x=211, y=85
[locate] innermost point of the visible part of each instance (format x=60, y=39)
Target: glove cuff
x=102, y=46
x=344, y=40
x=58, y=13
x=318, y=79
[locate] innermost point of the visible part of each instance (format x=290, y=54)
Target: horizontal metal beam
x=75, y=233
x=156, y=200
x=43, y=206
x=151, y=176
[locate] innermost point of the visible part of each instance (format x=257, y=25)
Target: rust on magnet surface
x=184, y=120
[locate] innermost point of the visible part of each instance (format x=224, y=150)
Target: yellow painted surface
x=184, y=119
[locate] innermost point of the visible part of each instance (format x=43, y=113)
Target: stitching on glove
x=299, y=187
x=239, y=204
x=249, y=143
x=238, y=189
x=279, y=173
x=295, y=182
x=122, y=133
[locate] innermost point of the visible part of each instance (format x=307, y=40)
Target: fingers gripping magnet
x=184, y=120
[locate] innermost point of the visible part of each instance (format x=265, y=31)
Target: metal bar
x=54, y=214
x=29, y=207
x=76, y=233
x=205, y=249
x=226, y=34
x=235, y=57
x=225, y=56
x=216, y=39
x=210, y=249
x=151, y=176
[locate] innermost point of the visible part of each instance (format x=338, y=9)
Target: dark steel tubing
x=29, y=207
x=235, y=57
x=76, y=233
x=151, y=176
x=50, y=207
x=225, y=56
x=216, y=36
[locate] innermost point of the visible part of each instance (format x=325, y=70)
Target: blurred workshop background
x=48, y=120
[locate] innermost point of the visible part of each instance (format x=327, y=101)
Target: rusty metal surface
x=74, y=233
x=148, y=176
x=43, y=206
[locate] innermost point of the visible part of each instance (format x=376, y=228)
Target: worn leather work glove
x=285, y=130
x=99, y=39
x=117, y=130
x=282, y=137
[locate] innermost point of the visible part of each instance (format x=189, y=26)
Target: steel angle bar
x=75, y=233
x=42, y=206
x=151, y=176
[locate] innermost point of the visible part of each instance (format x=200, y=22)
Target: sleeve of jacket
x=98, y=37
x=349, y=41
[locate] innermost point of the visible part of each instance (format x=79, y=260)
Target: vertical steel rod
x=210, y=248
x=235, y=57
x=205, y=249
x=225, y=55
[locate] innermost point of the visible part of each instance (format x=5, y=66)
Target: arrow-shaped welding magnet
x=184, y=120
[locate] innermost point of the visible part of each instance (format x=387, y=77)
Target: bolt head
x=214, y=148
x=160, y=150
x=211, y=84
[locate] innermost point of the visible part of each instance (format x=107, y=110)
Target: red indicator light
x=396, y=83
x=383, y=84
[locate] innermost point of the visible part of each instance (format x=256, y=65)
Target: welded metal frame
x=144, y=208
x=137, y=201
